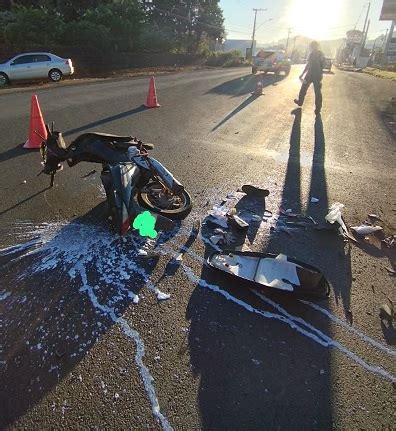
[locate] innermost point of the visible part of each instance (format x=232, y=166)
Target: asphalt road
x=78, y=353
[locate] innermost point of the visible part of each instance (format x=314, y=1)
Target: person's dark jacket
x=315, y=65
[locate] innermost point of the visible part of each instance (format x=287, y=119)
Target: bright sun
x=314, y=18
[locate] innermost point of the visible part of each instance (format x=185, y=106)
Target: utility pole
x=364, y=27
x=254, y=28
x=365, y=34
x=294, y=44
x=287, y=42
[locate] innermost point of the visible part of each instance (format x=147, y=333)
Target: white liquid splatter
x=74, y=248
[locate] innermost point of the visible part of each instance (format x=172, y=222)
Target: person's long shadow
x=62, y=278
x=292, y=196
x=242, y=358
x=341, y=279
x=244, y=85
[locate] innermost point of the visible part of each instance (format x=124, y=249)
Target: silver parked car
x=34, y=65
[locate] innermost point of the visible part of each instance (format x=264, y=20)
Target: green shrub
x=156, y=40
x=226, y=59
x=31, y=27
x=87, y=34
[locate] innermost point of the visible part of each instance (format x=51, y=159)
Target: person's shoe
x=297, y=102
x=254, y=191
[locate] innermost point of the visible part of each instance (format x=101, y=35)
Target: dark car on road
x=328, y=64
x=274, y=61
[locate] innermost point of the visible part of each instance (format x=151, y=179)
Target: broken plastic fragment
x=287, y=212
x=179, y=257
x=219, y=231
x=390, y=241
x=239, y=222
x=254, y=191
x=219, y=220
x=335, y=215
x=215, y=239
x=136, y=299
x=161, y=296
x=365, y=229
x=314, y=200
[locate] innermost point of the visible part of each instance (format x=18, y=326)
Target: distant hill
x=301, y=43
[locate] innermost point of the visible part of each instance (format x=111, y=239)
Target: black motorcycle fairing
x=102, y=148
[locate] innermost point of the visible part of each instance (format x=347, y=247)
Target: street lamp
x=268, y=20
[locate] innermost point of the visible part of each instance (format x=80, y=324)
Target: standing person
x=313, y=74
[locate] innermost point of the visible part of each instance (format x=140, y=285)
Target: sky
x=317, y=19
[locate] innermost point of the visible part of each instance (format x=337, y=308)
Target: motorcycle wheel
x=154, y=197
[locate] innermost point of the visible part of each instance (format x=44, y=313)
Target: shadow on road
x=248, y=378
x=241, y=86
x=245, y=84
x=24, y=201
x=62, y=279
x=249, y=375
x=20, y=151
x=239, y=108
x=14, y=152
x=105, y=120
x=293, y=170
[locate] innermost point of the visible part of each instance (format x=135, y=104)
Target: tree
x=123, y=19
x=209, y=19
x=189, y=21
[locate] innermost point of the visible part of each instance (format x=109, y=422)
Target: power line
x=185, y=18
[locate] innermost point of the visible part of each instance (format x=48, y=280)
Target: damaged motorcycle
x=133, y=181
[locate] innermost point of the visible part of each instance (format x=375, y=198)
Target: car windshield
x=265, y=54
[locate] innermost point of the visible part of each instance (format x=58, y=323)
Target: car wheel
x=55, y=75
x=254, y=70
x=3, y=79
x=287, y=71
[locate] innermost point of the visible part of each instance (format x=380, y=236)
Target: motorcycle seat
x=120, y=142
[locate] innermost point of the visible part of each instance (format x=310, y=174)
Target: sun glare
x=315, y=18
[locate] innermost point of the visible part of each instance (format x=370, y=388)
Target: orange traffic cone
x=259, y=89
x=37, y=130
x=152, y=96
